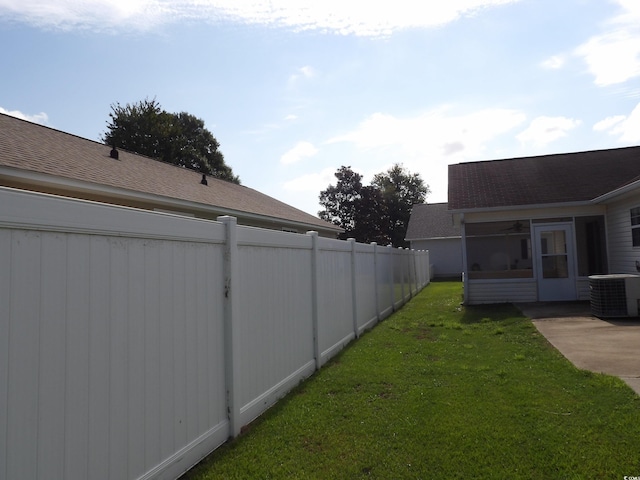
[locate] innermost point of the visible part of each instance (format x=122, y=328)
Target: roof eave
x=46, y=179
x=533, y=206
x=454, y=237
x=618, y=192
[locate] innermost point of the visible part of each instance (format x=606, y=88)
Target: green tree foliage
x=400, y=190
x=177, y=138
x=373, y=213
x=353, y=207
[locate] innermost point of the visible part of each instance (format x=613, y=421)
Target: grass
x=443, y=391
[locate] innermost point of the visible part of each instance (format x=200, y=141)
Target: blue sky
x=293, y=89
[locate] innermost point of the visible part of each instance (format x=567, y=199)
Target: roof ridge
x=549, y=155
x=120, y=149
x=36, y=124
x=33, y=147
x=542, y=180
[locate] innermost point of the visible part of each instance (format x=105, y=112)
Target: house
x=535, y=228
x=431, y=227
x=38, y=158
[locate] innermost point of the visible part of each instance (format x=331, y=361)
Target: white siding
x=622, y=254
x=446, y=255
x=501, y=291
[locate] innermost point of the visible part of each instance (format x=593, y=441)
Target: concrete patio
x=610, y=346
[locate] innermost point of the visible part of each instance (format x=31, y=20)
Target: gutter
x=533, y=206
x=433, y=238
x=56, y=181
x=617, y=192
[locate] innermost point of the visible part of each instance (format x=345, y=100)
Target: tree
x=400, y=190
x=375, y=213
x=177, y=138
x=353, y=207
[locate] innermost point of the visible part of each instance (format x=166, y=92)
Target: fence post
x=354, y=286
x=409, y=255
x=314, y=298
x=428, y=267
x=402, y=279
x=416, y=269
x=376, y=279
x=231, y=340
x=414, y=273
x=392, y=283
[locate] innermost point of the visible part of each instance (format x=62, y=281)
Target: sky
x=295, y=89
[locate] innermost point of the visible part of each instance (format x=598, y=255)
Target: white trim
x=630, y=188
x=565, y=288
x=51, y=180
x=458, y=237
x=533, y=206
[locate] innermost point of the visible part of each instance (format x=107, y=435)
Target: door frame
x=556, y=289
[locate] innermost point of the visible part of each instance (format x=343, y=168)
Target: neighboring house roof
x=37, y=155
x=431, y=220
x=548, y=179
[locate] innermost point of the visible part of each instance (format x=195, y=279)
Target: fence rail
x=134, y=343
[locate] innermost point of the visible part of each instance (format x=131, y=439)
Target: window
x=499, y=249
x=635, y=226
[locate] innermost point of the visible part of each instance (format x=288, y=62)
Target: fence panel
x=335, y=308
x=112, y=344
x=385, y=284
x=274, y=316
x=366, y=286
x=134, y=343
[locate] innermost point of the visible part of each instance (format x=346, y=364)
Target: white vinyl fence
x=134, y=343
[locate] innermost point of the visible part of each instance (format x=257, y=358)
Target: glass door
x=555, y=262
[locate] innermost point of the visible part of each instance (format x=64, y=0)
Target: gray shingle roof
x=547, y=179
x=35, y=148
x=431, y=220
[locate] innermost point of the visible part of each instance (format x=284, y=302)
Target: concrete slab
x=609, y=346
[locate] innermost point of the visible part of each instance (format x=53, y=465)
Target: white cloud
x=435, y=134
x=302, y=72
x=626, y=128
x=427, y=143
x=608, y=123
x=299, y=152
x=614, y=56
x=554, y=63
x=307, y=71
x=331, y=16
x=291, y=117
x=41, y=118
x=312, y=182
x=544, y=130
x=94, y=14
x=629, y=129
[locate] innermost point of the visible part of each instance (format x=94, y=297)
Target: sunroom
x=534, y=229
x=528, y=259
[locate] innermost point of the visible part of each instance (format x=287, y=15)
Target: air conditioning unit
x=615, y=295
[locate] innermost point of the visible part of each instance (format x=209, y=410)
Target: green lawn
x=442, y=391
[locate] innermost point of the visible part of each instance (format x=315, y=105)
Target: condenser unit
x=615, y=295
